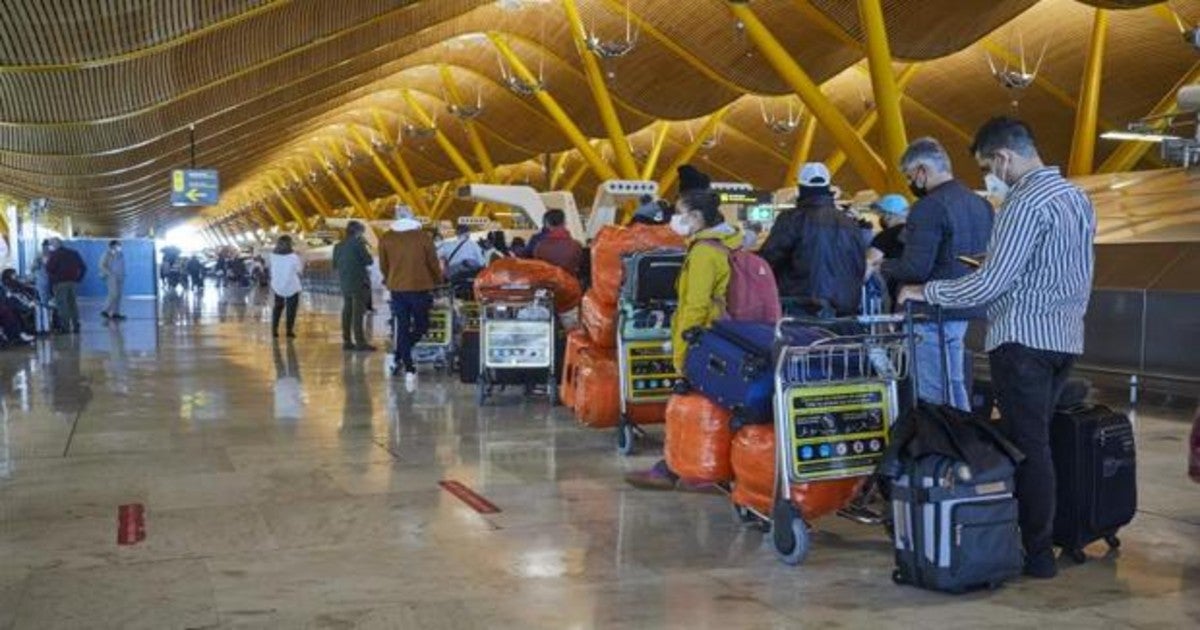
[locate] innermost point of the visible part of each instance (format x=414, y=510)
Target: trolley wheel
x=625, y=438
x=1077, y=555
x=480, y=391
x=1113, y=541
x=552, y=392
x=789, y=533
x=898, y=577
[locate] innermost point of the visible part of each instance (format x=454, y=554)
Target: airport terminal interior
x=173, y=456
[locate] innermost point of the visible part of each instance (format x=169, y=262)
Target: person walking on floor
x=112, y=270
x=1036, y=281
x=352, y=262
x=411, y=271
x=66, y=269
x=948, y=220
x=286, y=269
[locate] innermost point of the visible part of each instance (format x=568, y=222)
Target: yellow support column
x=275, y=216
x=314, y=197
x=573, y=180
x=406, y=175
x=803, y=148
x=660, y=138
x=710, y=127
x=448, y=147
x=351, y=179
x=560, y=163
x=861, y=156
x=301, y=224
x=883, y=83
x=868, y=122
x=1126, y=156
x=473, y=136
x=556, y=112
x=397, y=187
x=1083, y=146
x=626, y=165
x=354, y=201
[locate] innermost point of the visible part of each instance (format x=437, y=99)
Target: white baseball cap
x=814, y=175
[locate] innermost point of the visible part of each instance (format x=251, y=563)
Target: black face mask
x=917, y=191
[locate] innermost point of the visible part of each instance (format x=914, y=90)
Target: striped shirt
x=1037, y=277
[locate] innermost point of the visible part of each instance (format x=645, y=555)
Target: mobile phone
x=971, y=261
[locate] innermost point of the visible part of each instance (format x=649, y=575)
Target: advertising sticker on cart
x=837, y=431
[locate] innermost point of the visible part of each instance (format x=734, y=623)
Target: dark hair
x=497, y=240
x=114, y=242
x=1004, y=132
x=554, y=218
x=283, y=245
x=707, y=203
x=354, y=228
x=518, y=244
x=461, y=229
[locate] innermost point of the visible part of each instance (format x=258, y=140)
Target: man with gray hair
x=948, y=220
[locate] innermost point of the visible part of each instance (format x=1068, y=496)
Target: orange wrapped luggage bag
x=577, y=340
x=753, y=458
x=599, y=320
x=612, y=242
x=597, y=390
x=537, y=273
x=698, y=439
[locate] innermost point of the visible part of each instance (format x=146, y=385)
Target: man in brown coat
x=409, y=262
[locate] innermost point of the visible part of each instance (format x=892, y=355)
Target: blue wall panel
x=140, y=276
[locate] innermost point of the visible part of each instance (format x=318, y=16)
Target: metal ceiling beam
x=1083, y=143
x=447, y=146
x=556, y=112
x=406, y=175
x=1126, y=156
x=382, y=167
x=884, y=85
x=313, y=195
x=803, y=149
x=710, y=126
x=625, y=163
x=473, y=137
x=868, y=122
x=864, y=159
x=660, y=138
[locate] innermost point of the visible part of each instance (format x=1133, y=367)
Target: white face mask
x=681, y=225
x=996, y=187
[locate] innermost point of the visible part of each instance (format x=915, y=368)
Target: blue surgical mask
x=996, y=187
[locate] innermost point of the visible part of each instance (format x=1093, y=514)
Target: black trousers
x=1027, y=384
x=282, y=303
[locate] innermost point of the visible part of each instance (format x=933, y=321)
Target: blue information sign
x=191, y=187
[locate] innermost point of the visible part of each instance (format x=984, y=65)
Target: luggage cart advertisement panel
x=837, y=431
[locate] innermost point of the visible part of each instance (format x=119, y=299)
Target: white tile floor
x=314, y=502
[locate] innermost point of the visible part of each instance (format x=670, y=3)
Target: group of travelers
x=1032, y=285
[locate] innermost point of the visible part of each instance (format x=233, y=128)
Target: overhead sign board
x=194, y=187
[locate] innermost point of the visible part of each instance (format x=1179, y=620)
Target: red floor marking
x=131, y=524
x=468, y=496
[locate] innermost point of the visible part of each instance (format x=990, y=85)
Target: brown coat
x=408, y=261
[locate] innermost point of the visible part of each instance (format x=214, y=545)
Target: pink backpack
x=752, y=295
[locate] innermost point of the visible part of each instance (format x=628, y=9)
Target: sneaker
x=1041, y=566
x=365, y=347
x=410, y=382
x=658, y=477
x=27, y=338
x=119, y=317
x=347, y=346
x=105, y=315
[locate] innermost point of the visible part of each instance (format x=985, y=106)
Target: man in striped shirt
x=1036, y=281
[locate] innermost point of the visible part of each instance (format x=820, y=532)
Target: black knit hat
x=690, y=178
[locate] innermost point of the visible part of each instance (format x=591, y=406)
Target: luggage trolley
x=437, y=347
x=644, y=358
x=517, y=328
x=835, y=401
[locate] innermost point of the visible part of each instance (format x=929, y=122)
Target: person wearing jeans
x=948, y=220
x=352, y=262
x=411, y=271
x=286, y=269
x=1036, y=281
x=65, y=268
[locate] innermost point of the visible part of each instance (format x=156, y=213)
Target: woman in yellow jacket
x=701, y=288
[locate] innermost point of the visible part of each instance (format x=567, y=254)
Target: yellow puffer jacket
x=702, y=284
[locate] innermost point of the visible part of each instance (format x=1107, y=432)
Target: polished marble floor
x=292, y=486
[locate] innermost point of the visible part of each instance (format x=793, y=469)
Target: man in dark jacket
x=947, y=221
x=816, y=250
x=557, y=247
x=351, y=260
x=66, y=269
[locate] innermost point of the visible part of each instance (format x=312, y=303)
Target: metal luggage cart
x=517, y=328
x=437, y=347
x=644, y=359
x=835, y=401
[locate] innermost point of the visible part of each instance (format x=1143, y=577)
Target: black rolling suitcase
x=1096, y=467
x=468, y=357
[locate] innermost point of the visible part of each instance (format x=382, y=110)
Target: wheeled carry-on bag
x=1096, y=469
x=731, y=364
x=468, y=357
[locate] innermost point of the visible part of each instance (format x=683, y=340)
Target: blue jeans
x=410, y=310
x=930, y=383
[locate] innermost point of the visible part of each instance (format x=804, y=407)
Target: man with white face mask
x=1036, y=281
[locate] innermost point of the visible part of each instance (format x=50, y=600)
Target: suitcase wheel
x=1113, y=541
x=898, y=577
x=625, y=439
x=1077, y=555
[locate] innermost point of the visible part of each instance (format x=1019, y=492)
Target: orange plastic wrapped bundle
x=753, y=458
x=521, y=271
x=698, y=439
x=597, y=390
x=577, y=340
x=647, y=413
x=613, y=242
x=600, y=320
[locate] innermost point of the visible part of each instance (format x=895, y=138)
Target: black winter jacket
x=950, y=221
x=817, y=252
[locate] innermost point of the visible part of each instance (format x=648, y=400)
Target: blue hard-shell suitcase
x=732, y=364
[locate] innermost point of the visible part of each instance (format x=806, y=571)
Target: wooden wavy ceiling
x=96, y=98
